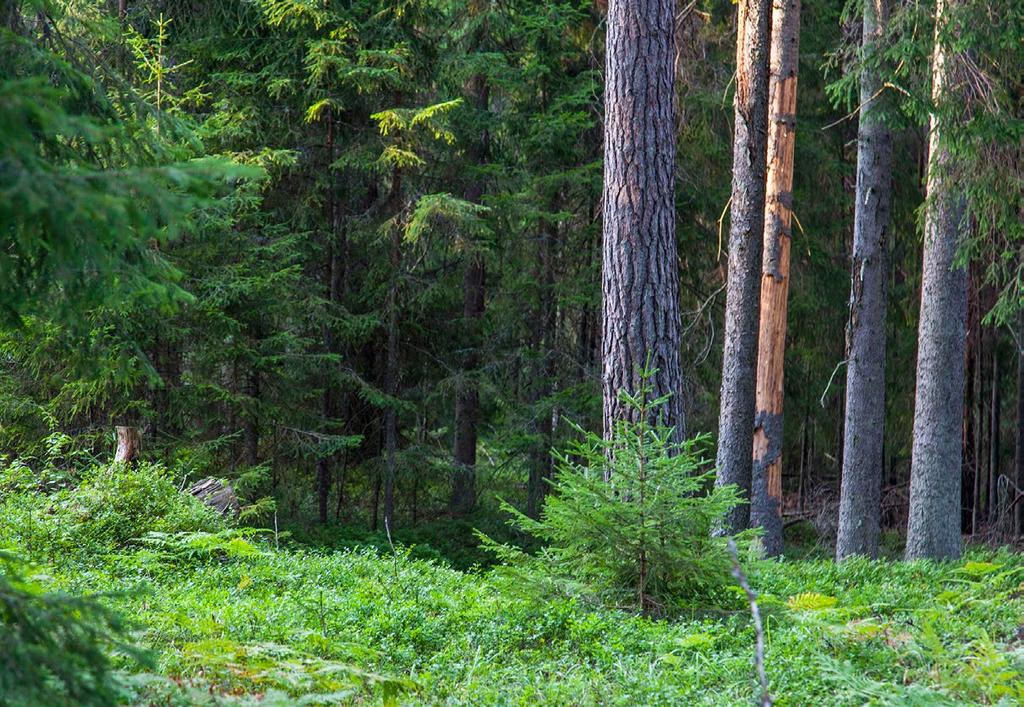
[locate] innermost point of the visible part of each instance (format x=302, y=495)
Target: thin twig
x=737, y=572
x=831, y=378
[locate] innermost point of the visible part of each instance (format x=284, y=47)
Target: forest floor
x=232, y=621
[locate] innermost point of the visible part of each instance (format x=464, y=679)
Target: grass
x=231, y=618
x=361, y=626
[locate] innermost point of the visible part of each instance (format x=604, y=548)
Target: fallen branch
x=737, y=572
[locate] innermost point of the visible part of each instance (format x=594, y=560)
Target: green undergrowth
x=249, y=622
x=243, y=616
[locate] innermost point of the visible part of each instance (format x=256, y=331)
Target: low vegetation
x=234, y=616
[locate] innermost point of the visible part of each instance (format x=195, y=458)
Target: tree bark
x=391, y=366
x=467, y=396
x=1019, y=460
x=933, y=530
x=640, y=275
x=860, y=495
x=544, y=422
x=336, y=255
x=467, y=400
x=129, y=443
x=766, y=474
x=739, y=355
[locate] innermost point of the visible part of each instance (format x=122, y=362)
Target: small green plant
x=629, y=520
x=53, y=645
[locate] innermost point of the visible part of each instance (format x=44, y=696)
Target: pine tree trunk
x=335, y=285
x=467, y=401
x=543, y=426
x=1019, y=461
x=766, y=474
x=467, y=397
x=993, y=434
x=640, y=276
x=933, y=530
x=391, y=370
x=739, y=355
x=860, y=496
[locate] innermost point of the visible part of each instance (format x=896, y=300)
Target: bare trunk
x=467, y=397
x=1019, y=461
x=933, y=530
x=739, y=355
x=860, y=496
x=129, y=443
x=640, y=275
x=544, y=424
x=766, y=474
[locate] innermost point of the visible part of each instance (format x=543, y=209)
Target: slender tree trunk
x=467, y=397
x=540, y=463
x=993, y=434
x=335, y=286
x=640, y=275
x=860, y=496
x=933, y=530
x=391, y=366
x=391, y=386
x=251, y=433
x=739, y=355
x=1019, y=460
x=766, y=475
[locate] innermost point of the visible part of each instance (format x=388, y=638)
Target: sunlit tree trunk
x=766, y=474
x=640, y=277
x=860, y=496
x=933, y=530
x=739, y=355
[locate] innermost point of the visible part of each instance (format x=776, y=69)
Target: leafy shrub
x=642, y=539
x=111, y=506
x=52, y=644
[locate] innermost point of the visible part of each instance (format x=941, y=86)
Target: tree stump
x=217, y=494
x=129, y=442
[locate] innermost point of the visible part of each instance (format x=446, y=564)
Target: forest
x=632, y=352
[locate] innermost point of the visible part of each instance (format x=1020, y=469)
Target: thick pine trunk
x=933, y=530
x=739, y=355
x=766, y=474
x=640, y=277
x=860, y=497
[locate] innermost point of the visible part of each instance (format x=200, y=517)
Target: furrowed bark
x=860, y=496
x=640, y=277
x=766, y=474
x=933, y=530
x=739, y=355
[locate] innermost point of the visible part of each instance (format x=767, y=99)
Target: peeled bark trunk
x=933, y=530
x=640, y=276
x=766, y=474
x=860, y=496
x=129, y=443
x=739, y=355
